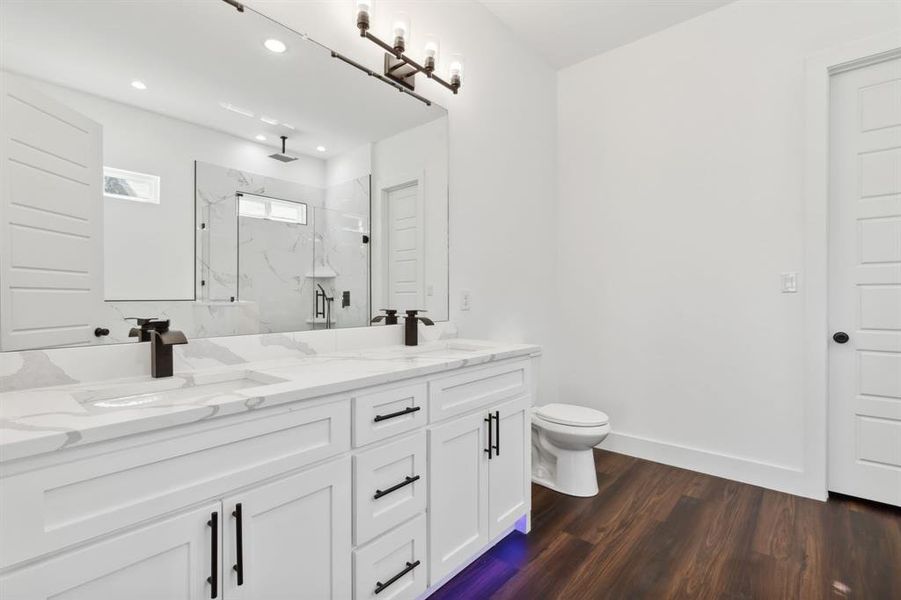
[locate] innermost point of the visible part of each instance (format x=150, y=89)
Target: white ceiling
x=565, y=32
x=194, y=55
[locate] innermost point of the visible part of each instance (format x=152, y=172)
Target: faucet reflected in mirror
x=161, y=340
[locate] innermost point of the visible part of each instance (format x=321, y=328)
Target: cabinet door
x=509, y=470
x=168, y=559
x=295, y=537
x=458, y=493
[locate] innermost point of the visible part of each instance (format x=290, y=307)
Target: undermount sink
x=172, y=389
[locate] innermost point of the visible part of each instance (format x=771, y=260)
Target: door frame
x=377, y=224
x=819, y=70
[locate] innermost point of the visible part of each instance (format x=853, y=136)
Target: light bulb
x=432, y=47
x=456, y=70
x=401, y=29
x=364, y=10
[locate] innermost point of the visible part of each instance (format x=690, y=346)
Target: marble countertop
x=40, y=420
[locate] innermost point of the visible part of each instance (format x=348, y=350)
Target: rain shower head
x=282, y=156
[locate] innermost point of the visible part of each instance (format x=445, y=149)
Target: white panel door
x=295, y=537
x=509, y=471
x=865, y=283
x=406, y=261
x=51, y=221
x=458, y=493
x=168, y=559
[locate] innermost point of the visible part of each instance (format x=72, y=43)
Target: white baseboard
x=767, y=475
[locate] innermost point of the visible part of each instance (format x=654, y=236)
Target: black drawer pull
x=238, y=514
x=379, y=586
x=399, y=413
x=497, y=433
x=407, y=481
x=213, y=579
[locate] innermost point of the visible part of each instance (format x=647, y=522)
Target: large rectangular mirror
x=184, y=160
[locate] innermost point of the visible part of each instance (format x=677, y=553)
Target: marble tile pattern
x=287, y=369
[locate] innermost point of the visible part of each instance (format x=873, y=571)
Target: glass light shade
x=430, y=52
x=455, y=68
x=363, y=12
x=401, y=26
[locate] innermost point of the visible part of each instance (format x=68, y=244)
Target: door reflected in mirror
x=210, y=179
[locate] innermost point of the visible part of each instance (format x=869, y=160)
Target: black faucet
x=411, y=327
x=161, y=340
x=390, y=316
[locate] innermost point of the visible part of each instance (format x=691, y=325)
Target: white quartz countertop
x=40, y=420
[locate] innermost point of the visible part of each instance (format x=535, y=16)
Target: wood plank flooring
x=655, y=531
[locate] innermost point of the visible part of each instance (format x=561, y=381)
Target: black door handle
x=213, y=579
x=841, y=337
x=497, y=433
x=490, y=447
x=239, y=543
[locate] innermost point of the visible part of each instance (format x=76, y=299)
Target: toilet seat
x=571, y=415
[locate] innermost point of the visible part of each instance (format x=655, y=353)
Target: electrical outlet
x=789, y=282
x=465, y=300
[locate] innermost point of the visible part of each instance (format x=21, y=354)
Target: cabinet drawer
x=390, y=486
x=52, y=507
x=476, y=388
x=379, y=415
x=395, y=564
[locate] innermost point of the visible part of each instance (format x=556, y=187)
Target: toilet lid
x=570, y=414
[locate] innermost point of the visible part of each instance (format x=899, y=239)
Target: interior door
x=509, y=471
x=294, y=537
x=406, y=261
x=458, y=493
x=865, y=283
x=51, y=221
x=168, y=559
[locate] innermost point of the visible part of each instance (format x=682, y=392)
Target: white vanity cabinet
x=170, y=559
x=380, y=492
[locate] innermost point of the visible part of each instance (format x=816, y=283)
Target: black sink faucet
x=161, y=340
x=411, y=327
x=390, y=317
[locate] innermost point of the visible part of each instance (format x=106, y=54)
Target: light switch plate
x=465, y=300
x=789, y=282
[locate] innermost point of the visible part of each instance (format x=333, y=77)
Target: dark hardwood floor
x=655, y=531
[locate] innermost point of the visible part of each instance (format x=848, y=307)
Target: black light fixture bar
x=402, y=59
x=383, y=78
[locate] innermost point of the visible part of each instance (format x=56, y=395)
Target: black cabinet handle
x=841, y=337
x=497, y=433
x=239, y=543
x=399, y=413
x=379, y=586
x=490, y=447
x=213, y=579
x=407, y=481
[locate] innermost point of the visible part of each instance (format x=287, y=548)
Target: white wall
x=414, y=154
x=502, y=158
x=149, y=249
x=680, y=202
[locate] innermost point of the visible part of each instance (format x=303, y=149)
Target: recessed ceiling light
x=320, y=148
x=261, y=137
x=269, y=120
x=138, y=84
x=237, y=109
x=274, y=45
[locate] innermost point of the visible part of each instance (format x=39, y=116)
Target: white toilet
x=563, y=436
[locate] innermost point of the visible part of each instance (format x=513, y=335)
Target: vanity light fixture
x=274, y=45
x=139, y=85
x=399, y=67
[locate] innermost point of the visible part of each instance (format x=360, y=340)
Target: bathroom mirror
x=188, y=161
